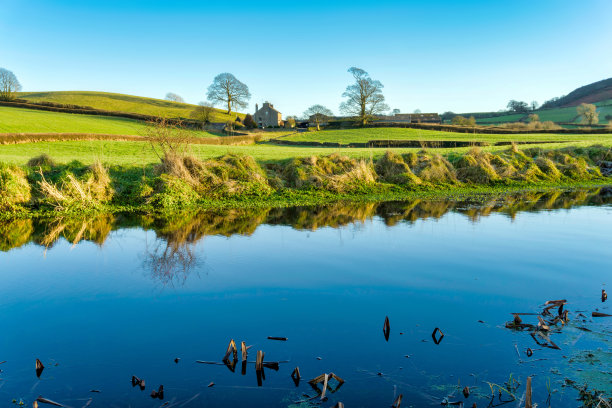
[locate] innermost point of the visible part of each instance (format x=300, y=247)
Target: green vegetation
x=182, y=180
x=361, y=135
x=18, y=120
x=123, y=103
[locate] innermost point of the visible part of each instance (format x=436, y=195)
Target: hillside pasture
x=123, y=103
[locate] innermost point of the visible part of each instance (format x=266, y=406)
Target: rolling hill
x=122, y=103
x=562, y=109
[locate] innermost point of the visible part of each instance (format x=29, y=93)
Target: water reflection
x=181, y=230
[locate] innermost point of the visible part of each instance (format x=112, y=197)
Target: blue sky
x=432, y=55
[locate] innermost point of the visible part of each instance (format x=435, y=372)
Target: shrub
x=249, y=122
x=43, y=161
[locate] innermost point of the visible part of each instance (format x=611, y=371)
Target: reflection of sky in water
x=101, y=315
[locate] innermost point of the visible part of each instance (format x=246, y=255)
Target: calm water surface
x=100, y=300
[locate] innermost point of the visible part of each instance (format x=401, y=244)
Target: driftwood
x=597, y=314
x=244, y=350
x=338, y=405
x=542, y=324
x=47, y=401
x=295, y=375
x=466, y=391
x=277, y=338
x=39, y=368
x=604, y=295
x=137, y=381
x=386, y=328
x=437, y=339
x=176, y=360
x=398, y=402
x=528, y=393
x=259, y=360
x=212, y=384
x=159, y=394
x=231, y=349
x=325, y=380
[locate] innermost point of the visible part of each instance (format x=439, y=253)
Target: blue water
x=149, y=291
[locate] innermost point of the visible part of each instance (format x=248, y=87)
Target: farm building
x=267, y=116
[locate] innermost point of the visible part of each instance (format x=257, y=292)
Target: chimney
x=256, y=107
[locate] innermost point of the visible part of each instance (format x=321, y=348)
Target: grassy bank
x=183, y=180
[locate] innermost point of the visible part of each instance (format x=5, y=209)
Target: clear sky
x=432, y=55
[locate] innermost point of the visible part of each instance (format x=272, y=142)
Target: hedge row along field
x=181, y=181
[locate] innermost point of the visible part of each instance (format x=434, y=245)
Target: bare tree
x=204, y=113
x=365, y=98
x=9, y=85
x=318, y=114
x=589, y=113
x=228, y=90
x=170, y=96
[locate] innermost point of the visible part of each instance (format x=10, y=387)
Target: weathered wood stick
x=339, y=405
x=244, y=351
x=296, y=374
x=259, y=360
x=47, y=401
x=317, y=379
x=528, y=393
x=597, y=314
x=326, y=378
x=277, y=338
x=398, y=401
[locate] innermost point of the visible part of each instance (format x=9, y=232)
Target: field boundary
x=466, y=129
x=19, y=138
x=429, y=144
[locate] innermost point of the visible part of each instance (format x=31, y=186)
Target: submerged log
x=597, y=314
x=48, y=401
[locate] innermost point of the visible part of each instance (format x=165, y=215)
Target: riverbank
x=180, y=181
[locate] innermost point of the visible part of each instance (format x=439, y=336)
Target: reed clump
x=335, y=173
x=90, y=189
x=15, y=189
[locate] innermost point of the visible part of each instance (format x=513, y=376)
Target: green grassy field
x=122, y=103
x=346, y=136
x=138, y=153
x=17, y=120
x=565, y=115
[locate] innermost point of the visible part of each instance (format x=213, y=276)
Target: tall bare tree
x=318, y=114
x=171, y=96
x=364, y=97
x=9, y=85
x=228, y=90
x=589, y=113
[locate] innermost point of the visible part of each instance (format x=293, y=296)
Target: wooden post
x=244, y=351
x=259, y=361
x=295, y=375
x=231, y=348
x=39, y=368
x=386, y=328
x=528, y=394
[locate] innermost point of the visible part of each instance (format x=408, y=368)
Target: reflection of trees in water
x=180, y=231
x=168, y=263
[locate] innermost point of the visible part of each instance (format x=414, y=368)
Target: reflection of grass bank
x=183, y=181
x=189, y=226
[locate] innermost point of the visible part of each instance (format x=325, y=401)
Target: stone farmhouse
x=267, y=116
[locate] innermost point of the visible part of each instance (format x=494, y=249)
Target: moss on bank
x=184, y=181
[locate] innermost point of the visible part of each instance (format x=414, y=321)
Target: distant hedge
x=15, y=138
